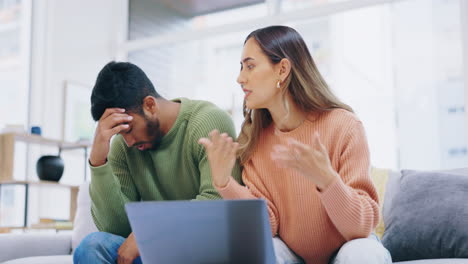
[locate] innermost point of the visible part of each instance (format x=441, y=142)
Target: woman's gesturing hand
x=221, y=150
x=311, y=161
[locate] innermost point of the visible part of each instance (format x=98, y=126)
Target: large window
x=429, y=84
x=398, y=64
x=15, y=36
x=14, y=61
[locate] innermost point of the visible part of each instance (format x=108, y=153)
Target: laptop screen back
x=222, y=231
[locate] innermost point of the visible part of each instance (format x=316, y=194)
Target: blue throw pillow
x=428, y=217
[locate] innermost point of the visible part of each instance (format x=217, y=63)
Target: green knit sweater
x=177, y=170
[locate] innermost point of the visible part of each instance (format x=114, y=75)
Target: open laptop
x=202, y=232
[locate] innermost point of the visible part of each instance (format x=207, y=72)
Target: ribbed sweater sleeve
x=234, y=190
x=111, y=188
x=201, y=126
x=350, y=200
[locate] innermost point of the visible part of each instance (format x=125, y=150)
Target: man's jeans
x=358, y=251
x=101, y=247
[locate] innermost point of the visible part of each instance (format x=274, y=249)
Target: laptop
x=202, y=232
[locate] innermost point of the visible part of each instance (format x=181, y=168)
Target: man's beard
x=154, y=132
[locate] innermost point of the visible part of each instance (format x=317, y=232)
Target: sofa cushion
x=68, y=259
x=391, y=189
x=380, y=178
x=435, y=261
x=13, y=246
x=83, y=223
x=428, y=216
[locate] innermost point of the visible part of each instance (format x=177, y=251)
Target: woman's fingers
x=294, y=155
x=281, y=149
x=235, y=147
x=282, y=156
x=220, y=144
x=223, y=142
x=284, y=160
x=206, y=143
x=299, y=146
x=214, y=136
x=318, y=146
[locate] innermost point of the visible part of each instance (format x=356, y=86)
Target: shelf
x=73, y=192
x=6, y=228
x=7, y=147
x=50, y=183
x=35, y=139
x=56, y=226
x=40, y=226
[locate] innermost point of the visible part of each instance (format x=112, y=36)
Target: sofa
x=50, y=248
x=57, y=248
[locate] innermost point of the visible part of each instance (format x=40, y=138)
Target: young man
x=155, y=155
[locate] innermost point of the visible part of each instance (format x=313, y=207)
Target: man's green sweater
x=177, y=170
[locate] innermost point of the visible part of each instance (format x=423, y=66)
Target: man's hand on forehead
x=112, y=122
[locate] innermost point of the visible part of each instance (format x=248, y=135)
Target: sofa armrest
x=13, y=246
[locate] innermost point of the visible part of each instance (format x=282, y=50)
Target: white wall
x=72, y=41
x=361, y=76
x=464, y=26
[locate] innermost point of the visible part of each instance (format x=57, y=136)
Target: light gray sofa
x=57, y=248
x=49, y=248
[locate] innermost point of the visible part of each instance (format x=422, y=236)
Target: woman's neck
x=285, y=120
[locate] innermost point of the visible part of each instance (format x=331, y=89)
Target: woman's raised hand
x=221, y=150
x=311, y=161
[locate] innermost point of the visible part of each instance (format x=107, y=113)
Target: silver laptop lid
x=221, y=231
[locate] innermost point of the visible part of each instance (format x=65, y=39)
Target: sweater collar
x=184, y=114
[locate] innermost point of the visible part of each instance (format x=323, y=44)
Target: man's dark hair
x=121, y=85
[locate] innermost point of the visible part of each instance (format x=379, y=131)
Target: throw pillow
x=83, y=224
x=428, y=218
x=380, y=178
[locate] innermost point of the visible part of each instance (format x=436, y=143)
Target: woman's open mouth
x=247, y=93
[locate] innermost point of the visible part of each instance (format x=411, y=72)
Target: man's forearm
x=108, y=202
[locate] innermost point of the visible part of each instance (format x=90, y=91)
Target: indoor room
x=375, y=116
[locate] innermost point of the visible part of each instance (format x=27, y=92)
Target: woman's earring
x=278, y=84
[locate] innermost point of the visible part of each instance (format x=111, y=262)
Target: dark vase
x=49, y=168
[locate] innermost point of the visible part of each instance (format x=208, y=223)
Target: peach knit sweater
x=314, y=224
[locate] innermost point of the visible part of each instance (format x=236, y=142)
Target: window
x=402, y=75
x=14, y=61
x=429, y=84
x=15, y=32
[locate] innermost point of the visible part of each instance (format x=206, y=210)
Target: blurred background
x=401, y=64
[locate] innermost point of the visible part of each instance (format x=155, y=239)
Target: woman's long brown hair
x=306, y=86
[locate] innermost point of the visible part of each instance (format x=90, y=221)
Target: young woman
x=303, y=151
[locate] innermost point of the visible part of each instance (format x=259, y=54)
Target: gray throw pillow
x=428, y=217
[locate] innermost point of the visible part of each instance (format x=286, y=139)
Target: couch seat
x=65, y=259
